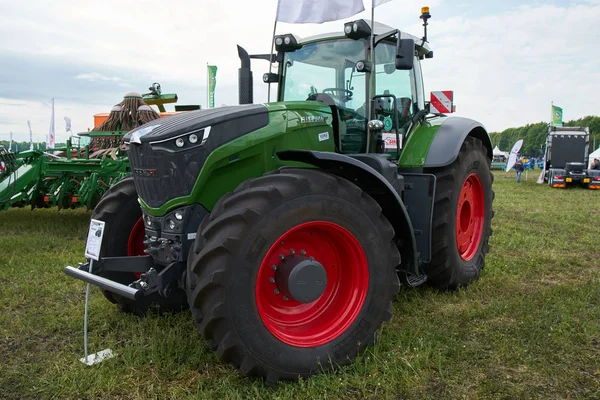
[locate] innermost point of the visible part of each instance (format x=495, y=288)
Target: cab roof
x=380, y=29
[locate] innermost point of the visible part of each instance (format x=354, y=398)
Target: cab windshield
x=327, y=69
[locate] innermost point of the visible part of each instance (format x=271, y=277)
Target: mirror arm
x=420, y=115
x=380, y=38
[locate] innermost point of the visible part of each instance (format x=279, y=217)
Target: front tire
x=245, y=306
x=462, y=218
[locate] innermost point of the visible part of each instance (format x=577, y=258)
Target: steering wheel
x=338, y=90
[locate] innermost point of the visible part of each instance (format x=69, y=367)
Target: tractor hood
x=167, y=154
x=226, y=123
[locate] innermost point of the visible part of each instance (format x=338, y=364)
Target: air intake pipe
x=245, y=78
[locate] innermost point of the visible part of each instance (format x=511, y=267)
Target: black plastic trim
x=123, y=264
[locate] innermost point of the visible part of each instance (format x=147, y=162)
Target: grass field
x=529, y=328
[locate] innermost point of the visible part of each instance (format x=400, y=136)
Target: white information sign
x=94, y=240
x=389, y=140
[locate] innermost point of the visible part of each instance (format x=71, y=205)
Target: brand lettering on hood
x=312, y=119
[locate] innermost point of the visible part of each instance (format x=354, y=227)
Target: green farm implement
x=78, y=175
x=69, y=180
x=288, y=227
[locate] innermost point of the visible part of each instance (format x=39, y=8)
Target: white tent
x=595, y=154
x=498, y=152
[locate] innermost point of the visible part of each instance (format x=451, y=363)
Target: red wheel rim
x=323, y=320
x=135, y=244
x=470, y=215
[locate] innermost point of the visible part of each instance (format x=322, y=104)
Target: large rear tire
x=462, y=218
x=123, y=236
x=244, y=302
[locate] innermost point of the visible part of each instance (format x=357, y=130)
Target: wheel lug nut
x=312, y=258
x=274, y=267
x=292, y=251
x=272, y=280
x=285, y=298
x=281, y=256
x=276, y=291
x=303, y=252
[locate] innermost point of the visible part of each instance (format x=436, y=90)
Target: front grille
x=160, y=175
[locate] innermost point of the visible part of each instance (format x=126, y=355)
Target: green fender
x=437, y=141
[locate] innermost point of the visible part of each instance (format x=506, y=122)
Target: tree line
x=534, y=136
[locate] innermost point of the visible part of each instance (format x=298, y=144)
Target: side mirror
x=442, y=102
x=405, y=54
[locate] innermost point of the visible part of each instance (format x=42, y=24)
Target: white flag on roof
x=379, y=2
x=317, y=11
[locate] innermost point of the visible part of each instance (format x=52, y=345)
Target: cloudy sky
x=506, y=60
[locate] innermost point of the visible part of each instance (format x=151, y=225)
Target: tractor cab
x=338, y=69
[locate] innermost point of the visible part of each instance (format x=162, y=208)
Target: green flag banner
x=557, y=115
x=212, y=82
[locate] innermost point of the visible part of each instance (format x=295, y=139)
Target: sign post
x=92, y=251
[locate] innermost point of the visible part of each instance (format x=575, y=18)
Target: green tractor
x=288, y=227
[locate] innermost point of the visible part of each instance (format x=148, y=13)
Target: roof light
x=357, y=29
x=286, y=42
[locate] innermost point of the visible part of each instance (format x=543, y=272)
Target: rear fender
x=449, y=138
x=372, y=183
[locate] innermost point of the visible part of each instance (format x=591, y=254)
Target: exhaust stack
x=245, y=78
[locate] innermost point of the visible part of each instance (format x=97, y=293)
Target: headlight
x=175, y=221
x=184, y=141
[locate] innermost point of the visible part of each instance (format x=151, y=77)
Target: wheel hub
x=317, y=260
x=301, y=278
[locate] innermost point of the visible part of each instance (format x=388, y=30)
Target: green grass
x=529, y=328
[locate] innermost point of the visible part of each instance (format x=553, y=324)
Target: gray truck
x=566, y=158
